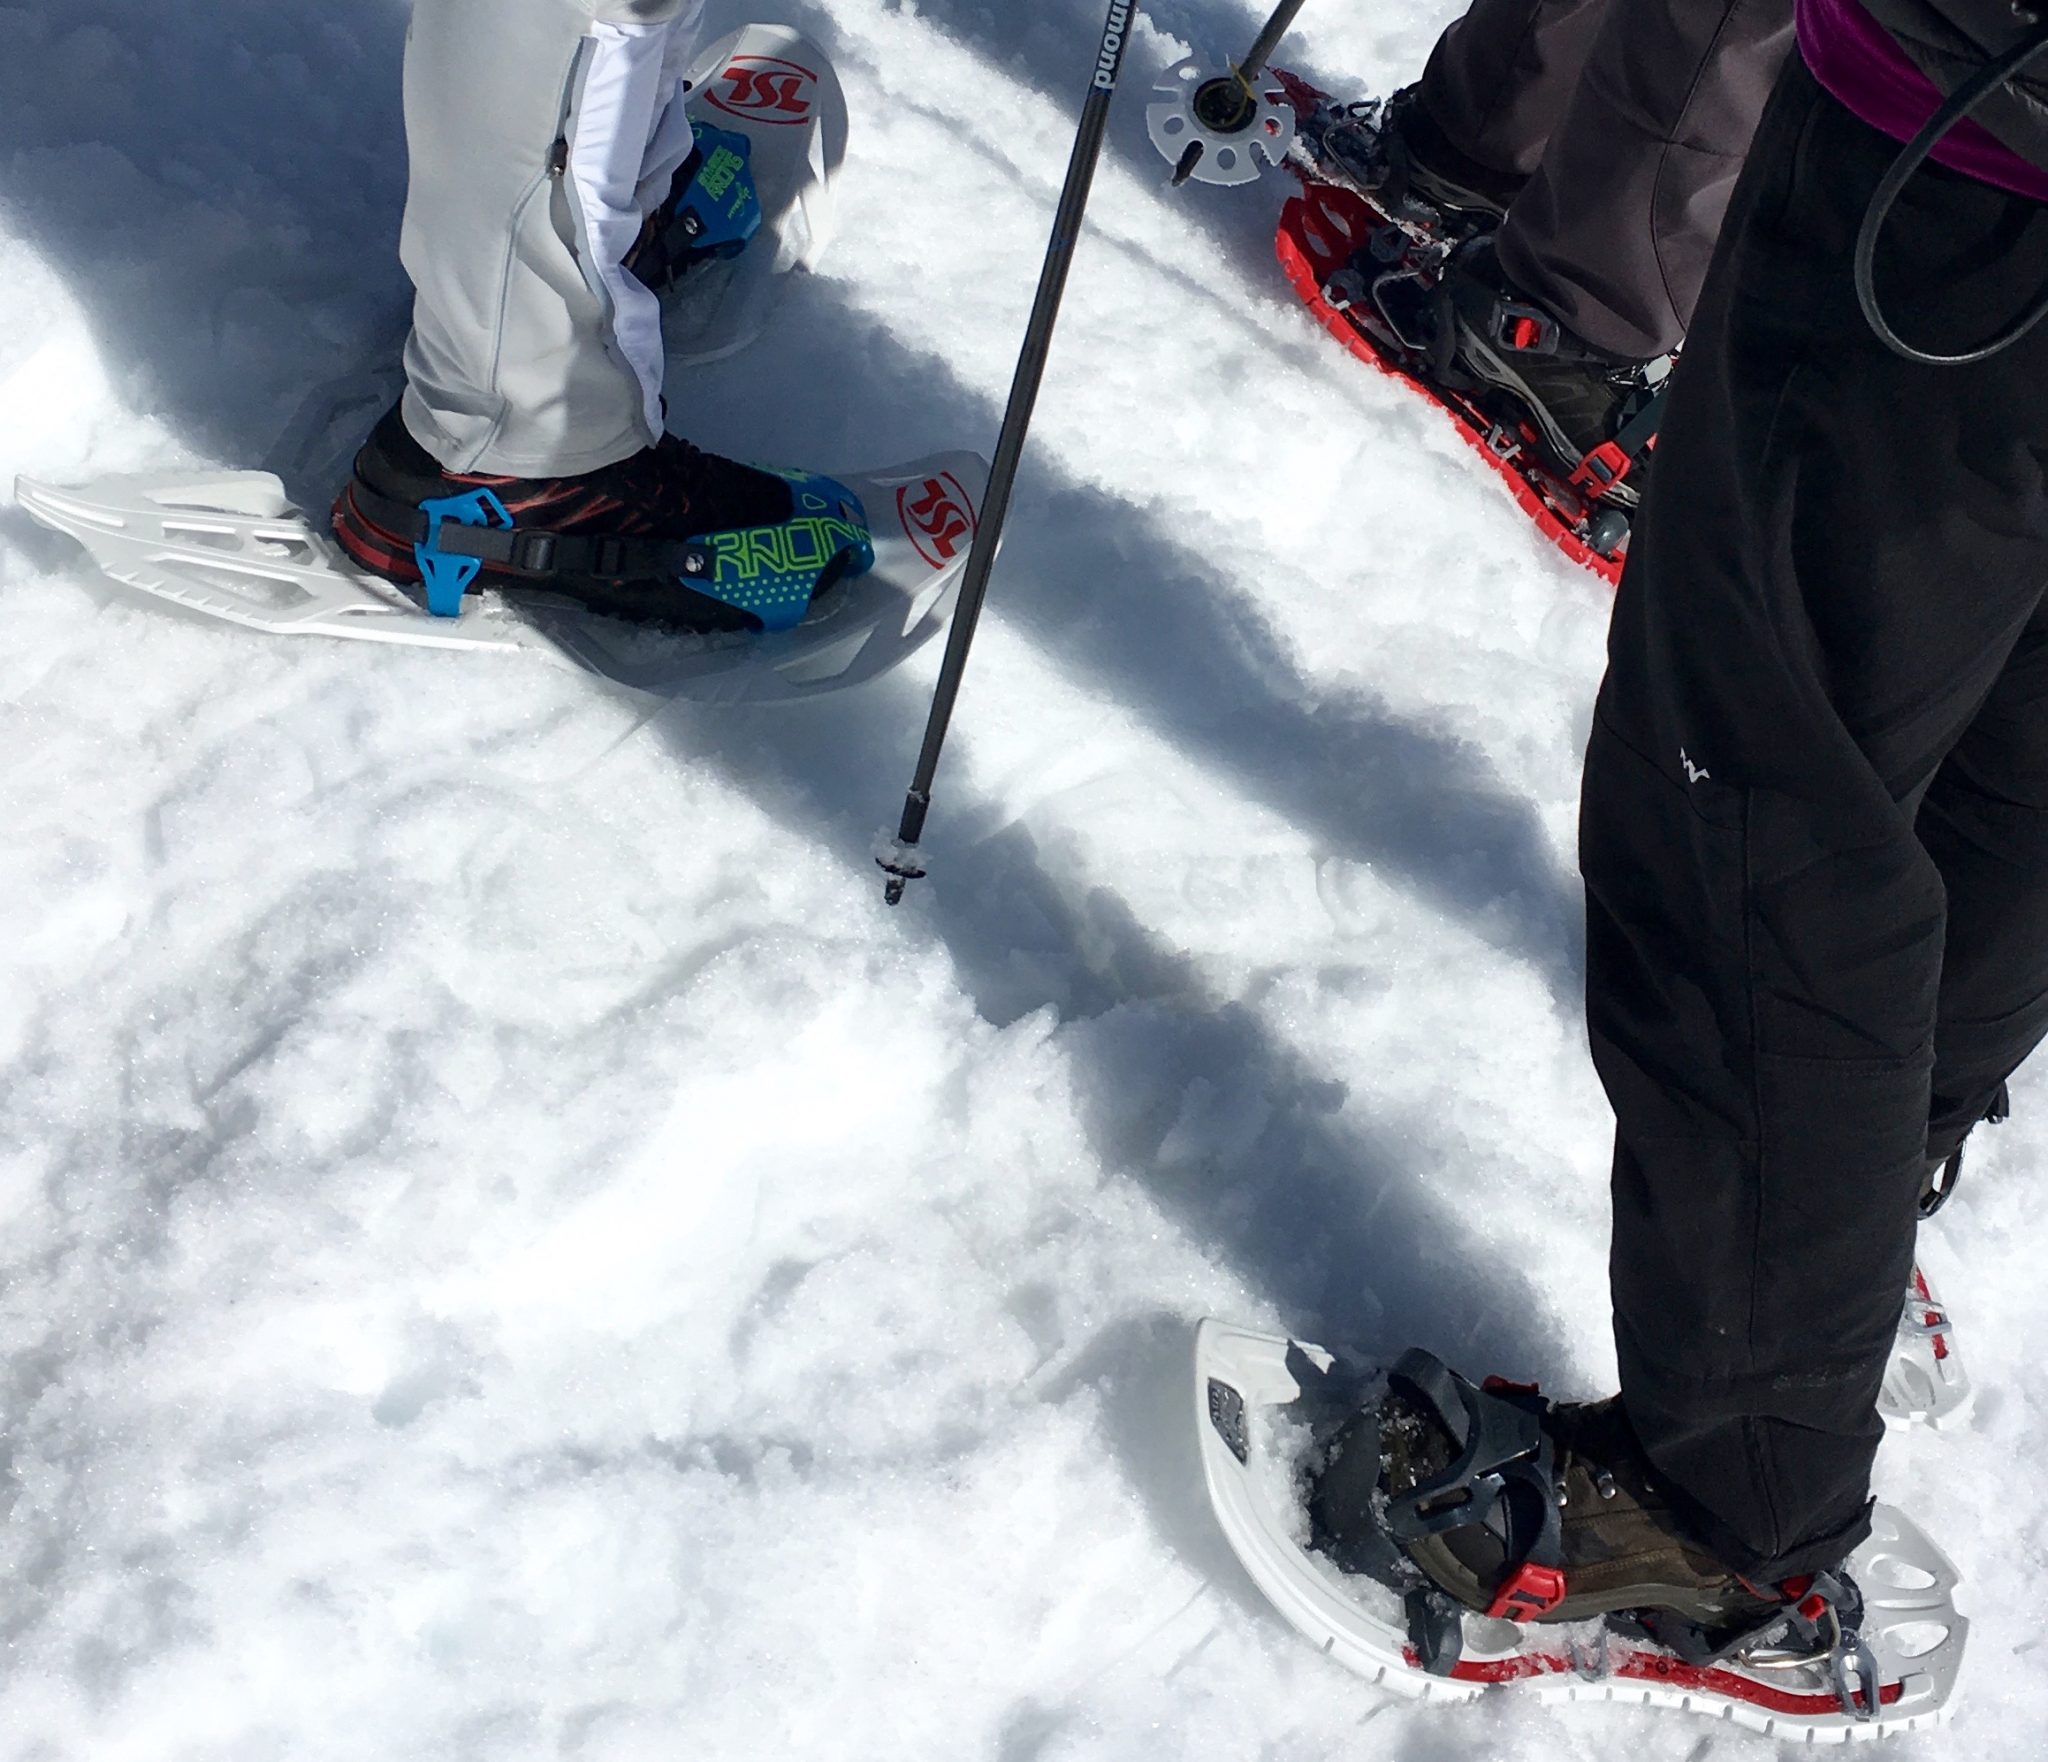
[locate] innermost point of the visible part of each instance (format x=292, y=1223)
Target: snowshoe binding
x=1389, y=245
x=711, y=215
x=1945, y=1170
x=672, y=535
x=1444, y=1539
x=1391, y=152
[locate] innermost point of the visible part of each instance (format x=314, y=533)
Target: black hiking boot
x=1517, y=1509
x=672, y=535
x=1436, y=168
x=1594, y=414
x=1396, y=154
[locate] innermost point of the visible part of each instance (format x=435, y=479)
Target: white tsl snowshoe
x=879, y=559
x=1478, y=1486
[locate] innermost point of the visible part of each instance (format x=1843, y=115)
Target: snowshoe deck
x=1256, y=1398
x=1320, y=231
x=230, y=546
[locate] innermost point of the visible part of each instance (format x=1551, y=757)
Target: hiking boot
x=672, y=535
x=1395, y=152
x=1523, y=1510
x=1594, y=413
x=1438, y=170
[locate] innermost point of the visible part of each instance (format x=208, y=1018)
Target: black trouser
x=1815, y=823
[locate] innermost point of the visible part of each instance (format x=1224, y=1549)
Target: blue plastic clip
x=722, y=208
x=447, y=577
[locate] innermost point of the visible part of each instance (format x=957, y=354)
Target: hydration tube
x=1966, y=97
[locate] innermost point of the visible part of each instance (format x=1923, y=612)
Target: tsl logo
x=760, y=88
x=939, y=516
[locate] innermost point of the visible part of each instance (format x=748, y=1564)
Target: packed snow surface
x=508, y=1250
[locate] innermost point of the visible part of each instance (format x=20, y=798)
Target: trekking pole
x=899, y=861
x=1277, y=27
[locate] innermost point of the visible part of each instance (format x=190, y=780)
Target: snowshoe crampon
x=230, y=546
x=1261, y=1400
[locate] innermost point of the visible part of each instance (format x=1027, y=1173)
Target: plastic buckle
x=1602, y=468
x=533, y=553
x=448, y=578
x=1527, y=330
x=720, y=211
x=1344, y=290
x=1530, y=1592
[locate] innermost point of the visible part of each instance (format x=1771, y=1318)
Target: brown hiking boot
x=1521, y=1510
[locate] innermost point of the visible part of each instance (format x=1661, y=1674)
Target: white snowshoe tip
x=230, y=546
x=1924, y=1382
x=1243, y=1384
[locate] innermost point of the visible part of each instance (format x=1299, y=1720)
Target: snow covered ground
x=508, y=1250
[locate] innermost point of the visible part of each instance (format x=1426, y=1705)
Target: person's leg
x=541, y=134
x=1613, y=232
x=1985, y=824
x=1499, y=78
x=1837, y=557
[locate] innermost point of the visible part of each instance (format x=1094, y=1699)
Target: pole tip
x=897, y=859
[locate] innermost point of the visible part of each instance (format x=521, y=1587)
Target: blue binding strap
x=447, y=577
x=721, y=210
x=773, y=571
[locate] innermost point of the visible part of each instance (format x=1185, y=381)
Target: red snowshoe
x=1368, y=243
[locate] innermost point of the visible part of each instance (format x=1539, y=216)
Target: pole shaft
x=1277, y=27
x=1052, y=283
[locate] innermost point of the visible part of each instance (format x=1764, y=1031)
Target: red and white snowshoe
x=1262, y=1402
x=1925, y=1383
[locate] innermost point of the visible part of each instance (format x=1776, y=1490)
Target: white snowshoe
x=230, y=546
x=1262, y=1400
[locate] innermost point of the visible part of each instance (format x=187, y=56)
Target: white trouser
x=542, y=133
